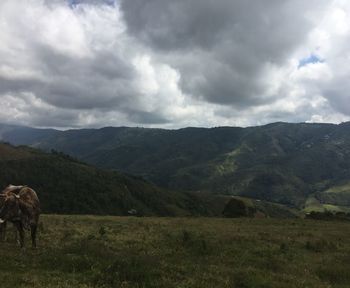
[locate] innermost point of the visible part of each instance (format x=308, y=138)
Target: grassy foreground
x=88, y=251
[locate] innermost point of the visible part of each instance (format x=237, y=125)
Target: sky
x=172, y=64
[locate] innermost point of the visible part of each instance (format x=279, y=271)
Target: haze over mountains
x=295, y=164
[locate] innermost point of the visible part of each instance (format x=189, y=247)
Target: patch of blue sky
x=311, y=59
x=72, y=3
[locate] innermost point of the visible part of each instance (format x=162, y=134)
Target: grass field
x=88, y=251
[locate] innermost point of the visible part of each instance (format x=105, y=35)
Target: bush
x=237, y=208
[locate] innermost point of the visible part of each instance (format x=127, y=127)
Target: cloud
x=225, y=50
x=173, y=63
x=72, y=59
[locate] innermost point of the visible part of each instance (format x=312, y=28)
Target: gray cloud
x=143, y=117
x=339, y=97
x=222, y=48
x=171, y=63
x=75, y=76
x=102, y=81
x=173, y=25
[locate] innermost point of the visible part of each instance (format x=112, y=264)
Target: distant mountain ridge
x=280, y=162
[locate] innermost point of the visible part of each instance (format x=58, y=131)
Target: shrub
x=237, y=208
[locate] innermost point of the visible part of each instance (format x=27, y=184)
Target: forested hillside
x=65, y=185
x=294, y=164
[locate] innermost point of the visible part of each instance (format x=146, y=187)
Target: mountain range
x=302, y=165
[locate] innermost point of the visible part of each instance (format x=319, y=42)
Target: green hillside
x=65, y=185
x=237, y=206
x=280, y=162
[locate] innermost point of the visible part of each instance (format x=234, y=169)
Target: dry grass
x=88, y=251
